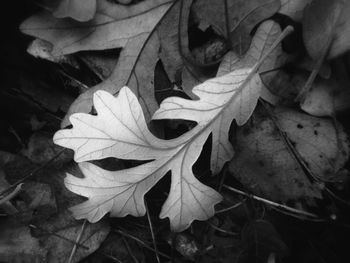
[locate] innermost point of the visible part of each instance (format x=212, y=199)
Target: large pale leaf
x=114, y=26
x=239, y=17
x=119, y=130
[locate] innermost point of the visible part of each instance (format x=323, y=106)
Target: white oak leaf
x=120, y=130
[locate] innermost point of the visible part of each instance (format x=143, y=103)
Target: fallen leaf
x=286, y=85
x=41, y=150
x=169, y=34
x=320, y=100
x=243, y=16
x=17, y=244
x=266, y=165
x=81, y=10
x=324, y=149
x=119, y=130
x=319, y=23
x=114, y=26
x=294, y=8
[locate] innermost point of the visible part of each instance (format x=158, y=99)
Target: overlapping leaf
x=266, y=165
x=238, y=17
x=114, y=26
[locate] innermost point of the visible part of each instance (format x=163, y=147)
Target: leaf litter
x=280, y=157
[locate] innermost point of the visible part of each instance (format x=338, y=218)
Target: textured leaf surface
x=266, y=165
x=114, y=26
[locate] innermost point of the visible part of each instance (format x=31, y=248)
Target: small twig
x=74, y=243
x=222, y=230
x=271, y=203
x=300, y=217
x=227, y=23
x=288, y=30
x=229, y=208
x=292, y=150
x=32, y=173
x=81, y=85
x=57, y=235
x=74, y=249
x=308, y=85
x=141, y=242
x=11, y=195
x=152, y=232
x=129, y=250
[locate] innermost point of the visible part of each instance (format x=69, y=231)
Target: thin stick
x=141, y=242
x=11, y=195
x=288, y=30
x=278, y=205
x=57, y=235
x=229, y=208
x=222, y=230
x=32, y=173
x=152, y=232
x=313, y=75
x=76, y=242
x=129, y=250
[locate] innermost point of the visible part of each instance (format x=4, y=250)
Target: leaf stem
x=74, y=249
x=152, y=232
x=288, y=30
x=11, y=195
x=32, y=173
x=140, y=242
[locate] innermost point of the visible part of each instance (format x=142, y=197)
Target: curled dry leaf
x=266, y=165
x=243, y=16
x=114, y=26
x=80, y=10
